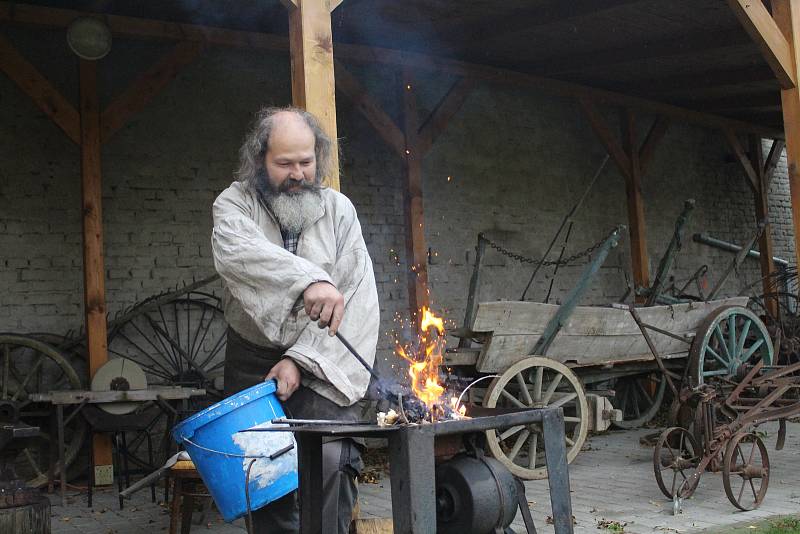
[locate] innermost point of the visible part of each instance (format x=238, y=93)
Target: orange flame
x=424, y=373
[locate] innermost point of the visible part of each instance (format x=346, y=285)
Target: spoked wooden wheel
x=639, y=397
x=745, y=471
x=729, y=338
x=536, y=382
x=675, y=459
x=29, y=366
x=179, y=343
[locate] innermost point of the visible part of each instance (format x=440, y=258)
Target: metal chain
x=547, y=263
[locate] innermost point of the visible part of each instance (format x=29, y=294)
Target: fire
x=424, y=373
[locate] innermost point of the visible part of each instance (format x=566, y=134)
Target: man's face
x=290, y=162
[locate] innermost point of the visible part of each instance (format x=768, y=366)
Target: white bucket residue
x=265, y=471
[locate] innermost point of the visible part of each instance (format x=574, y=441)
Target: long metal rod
x=355, y=353
x=706, y=239
x=668, y=258
x=564, y=222
x=737, y=260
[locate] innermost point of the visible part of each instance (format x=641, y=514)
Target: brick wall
x=516, y=161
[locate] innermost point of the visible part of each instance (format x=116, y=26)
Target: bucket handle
x=271, y=456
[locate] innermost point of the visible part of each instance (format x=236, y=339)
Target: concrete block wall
x=511, y=163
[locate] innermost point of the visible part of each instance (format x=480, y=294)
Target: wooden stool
x=185, y=480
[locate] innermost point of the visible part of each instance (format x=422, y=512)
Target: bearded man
x=293, y=261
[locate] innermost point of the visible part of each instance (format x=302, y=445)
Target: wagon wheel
x=536, y=382
x=745, y=471
x=676, y=451
x=730, y=337
x=179, y=343
x=639, y=397
x=29, y=366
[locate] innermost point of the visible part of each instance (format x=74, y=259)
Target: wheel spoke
x=537, y=384
x=31, y=374
x=144, y=353
x=569, y=419
x=569, y=441
x=510, y=432
x=551, y=388
x=195, y=345
x=32, y=462
x=741, y=490
x=721, y=339
x=743, y=336
x=754, y=347
x=6, y=369
x=518, y=445
x=732, y=335
x=717, y=357
x=563, y=400
x=523, y=388
x=512, y=398
x=753, y=487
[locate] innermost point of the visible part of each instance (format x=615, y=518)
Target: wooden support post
x=787, y=17
x=633, y=191
x=762, y=214
x=93, y=270
x=416, y=251
x=313, y=84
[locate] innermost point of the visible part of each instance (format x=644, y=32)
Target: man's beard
x=295, y=210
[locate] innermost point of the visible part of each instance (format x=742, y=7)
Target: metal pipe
x=706, y=239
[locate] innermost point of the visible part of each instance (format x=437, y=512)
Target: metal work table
x=411, y=466
x=79, y=399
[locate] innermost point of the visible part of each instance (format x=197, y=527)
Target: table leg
x=310, y=490
x=557, y=471
x=412, y=473
x=175, y=512
x=188, y=508
x=62, y=472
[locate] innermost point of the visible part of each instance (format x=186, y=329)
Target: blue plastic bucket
x=222, y=454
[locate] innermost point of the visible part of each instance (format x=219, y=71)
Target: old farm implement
x=177, y=338
x=596, y=363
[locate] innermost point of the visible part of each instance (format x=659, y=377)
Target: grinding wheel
x=119, y=374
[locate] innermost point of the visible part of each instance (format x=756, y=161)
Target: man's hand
x=325, y=304
x=287, y=375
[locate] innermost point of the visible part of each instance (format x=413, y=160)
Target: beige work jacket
x=264, y=284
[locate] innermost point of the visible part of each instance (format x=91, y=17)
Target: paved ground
x=611, y=481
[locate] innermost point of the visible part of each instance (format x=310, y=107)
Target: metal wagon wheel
x=639, y=397
x=676, y=452
x=178, y=343
x=745, y=461
x=29, y=366
x=729, y=338
x=536, y=382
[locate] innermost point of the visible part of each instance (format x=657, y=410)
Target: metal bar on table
x=555, y=451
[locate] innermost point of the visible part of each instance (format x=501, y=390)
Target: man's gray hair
x=254, y=148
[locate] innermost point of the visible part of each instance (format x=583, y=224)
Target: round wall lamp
x=89, y=38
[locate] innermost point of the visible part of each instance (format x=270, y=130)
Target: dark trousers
x=246, y=365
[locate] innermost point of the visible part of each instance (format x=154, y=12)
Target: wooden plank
x=313, y=84
x=635, y=204
x=744, y=160
x=370, y=109
x=445, y=110
x=775, y=153
x=93, y=271
x=765, y=33
x=762, y=214
x=416, y=249
x=606, y=136
x=46, y=97
x=161, y=30
x=149, y=84
x=654, y=136
x=696, y=80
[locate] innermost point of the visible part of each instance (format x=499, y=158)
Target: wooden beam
x=738, y=151
x=160, y=30
x=371, y=110
x=775, y=153
x=149, y=84
x=635, y=203
x=787, y=16
x=46, y=97
x=313, y=84
x=445, y=110
x=93, y=270
x=726, y=103
x=606, y=136
x=654, y=136
x=416, y=250
x=765, y=33
x=762, y=214
x=688, y=44
x=695, y=81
